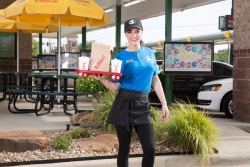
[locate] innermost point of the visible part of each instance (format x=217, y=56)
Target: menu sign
x=229, y=22
x=69, y=60
x=188, y=57
x=46, y=61
x=34, y=63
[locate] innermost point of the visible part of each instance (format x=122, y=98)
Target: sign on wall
x=7, y=45
x=229, y=22
x=226, y=22
x=188, y=58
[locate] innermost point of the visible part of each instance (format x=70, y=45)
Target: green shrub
x=89, y=86
x=62, y=142
x=86, y=132
x=161, y=134
x=186, y=129
x=190, y=130
x=103, y=109
x=156, y=114
x=76, y=133
x=80, y=133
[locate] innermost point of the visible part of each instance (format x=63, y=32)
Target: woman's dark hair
x=142, y=43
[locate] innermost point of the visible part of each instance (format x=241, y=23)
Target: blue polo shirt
x=138, y=69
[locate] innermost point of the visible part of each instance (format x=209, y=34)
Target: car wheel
x=228, y=105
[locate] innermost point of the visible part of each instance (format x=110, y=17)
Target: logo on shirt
x=149, y=59
x=129, y=61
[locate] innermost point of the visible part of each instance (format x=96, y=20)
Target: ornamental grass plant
x=191, y=130
x=104, y=107
x=102, y=110
x=90, y=86
x=186, y=130
x=62, y=142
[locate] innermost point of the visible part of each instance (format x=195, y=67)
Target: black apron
x=130, y=108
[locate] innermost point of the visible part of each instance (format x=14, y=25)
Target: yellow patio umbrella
x=61, y=12
x=7, y=25
x=70, y=12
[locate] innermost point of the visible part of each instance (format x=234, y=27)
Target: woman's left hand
x=98, y=77
x=165, y=112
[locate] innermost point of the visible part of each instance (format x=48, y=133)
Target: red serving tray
x=85, y=73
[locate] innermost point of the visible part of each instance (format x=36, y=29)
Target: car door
x=186, y=87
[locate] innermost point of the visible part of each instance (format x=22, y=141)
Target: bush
x=186, y=129
x=190, y=130
x=90, y=86
x=80, y=133
x=103, y=109
x=86, y=132
x=62, y=142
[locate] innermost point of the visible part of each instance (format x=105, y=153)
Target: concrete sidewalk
x=234, y=150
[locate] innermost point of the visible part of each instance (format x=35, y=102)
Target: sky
x=198, y=21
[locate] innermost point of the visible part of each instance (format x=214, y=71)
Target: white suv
x=217, y=96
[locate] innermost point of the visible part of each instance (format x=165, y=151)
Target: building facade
x=25, y=50
x=241, y=71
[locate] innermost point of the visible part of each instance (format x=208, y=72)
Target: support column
x=118, y=30
x=241, y=70
x=168, y=81
x=84, y=37
x=231, y=45
x=40, y=43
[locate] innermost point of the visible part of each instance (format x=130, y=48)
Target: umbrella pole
x=17, y=56
x=58, y=59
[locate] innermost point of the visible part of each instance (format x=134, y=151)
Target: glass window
x=217, y=69
x=226, y=72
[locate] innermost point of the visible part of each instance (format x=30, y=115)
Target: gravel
x=74, y=151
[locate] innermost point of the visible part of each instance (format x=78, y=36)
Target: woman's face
x=134, y=36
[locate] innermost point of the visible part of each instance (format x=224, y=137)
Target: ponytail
x=142, y=43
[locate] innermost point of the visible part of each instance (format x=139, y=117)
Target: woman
x=131, y=108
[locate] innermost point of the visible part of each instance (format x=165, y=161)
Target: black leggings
x=145, y=134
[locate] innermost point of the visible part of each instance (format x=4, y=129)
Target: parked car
x=217, y=96
x=186, y=87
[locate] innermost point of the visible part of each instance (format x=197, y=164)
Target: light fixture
x=222, y=25
x=132, y=3
x=109, y=10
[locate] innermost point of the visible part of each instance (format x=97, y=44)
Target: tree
x=88, y=45
x=159, y=55
x=222, y=56
x=35, y=47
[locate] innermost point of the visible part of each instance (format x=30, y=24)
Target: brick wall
x=241, y=72
x=25, y=50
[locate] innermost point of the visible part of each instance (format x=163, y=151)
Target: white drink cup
x=83, y=63
x=116, y=65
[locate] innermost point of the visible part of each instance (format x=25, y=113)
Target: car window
x=217, y=69
x=226, y=72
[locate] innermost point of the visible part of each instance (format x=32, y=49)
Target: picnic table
x=49, y=94
x=14, y=80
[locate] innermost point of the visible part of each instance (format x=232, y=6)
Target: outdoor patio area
x=56, y=120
